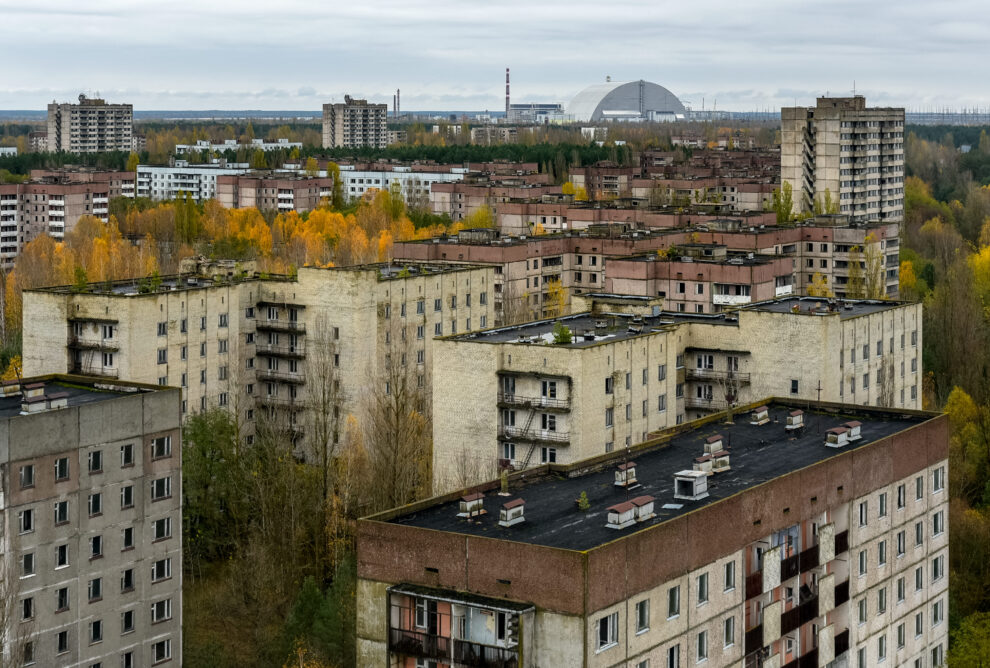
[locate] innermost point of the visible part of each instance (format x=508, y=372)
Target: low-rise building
x=746, y=539
x=234, y=145
x=166, y=182
x=565, y=389
x=92, y=518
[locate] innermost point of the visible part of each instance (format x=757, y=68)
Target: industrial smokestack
x=395, y=106
x=398, y=103
x=506, y=94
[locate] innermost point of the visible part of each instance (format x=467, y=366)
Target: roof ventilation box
x=854, y=430
x=621, y=515
x=625, y=475
x=472, y=505
x=511, y=513
x=795, y=421
x=836, y=437
x=759, y=416
x=713, y=444
x=690, y=485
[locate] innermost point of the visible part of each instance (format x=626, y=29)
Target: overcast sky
x=452, y=54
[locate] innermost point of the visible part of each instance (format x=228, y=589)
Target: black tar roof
x=75, y=395
x=758, y=454
x=846, y=308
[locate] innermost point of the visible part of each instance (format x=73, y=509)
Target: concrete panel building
x=273, y=191
x=516, y=397
x=246, y=343
x=853, y=152
x=165, y=182
x=233, y=145
x=92, y=522
x=91, y=126
x=722, y=544
x=355, y=123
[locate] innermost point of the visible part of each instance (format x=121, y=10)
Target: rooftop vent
x=472, y=505
x=34, y=391
x=759, y=416
x=713, y=444
x=621, y=515
x=625, y=475
x=703, y=464
x=10, y=388
x=854, y=427
x=511, y=513
x=644, y=508
x=795, y=421
x=836, y=437
x=720, y=461
x=690, y=485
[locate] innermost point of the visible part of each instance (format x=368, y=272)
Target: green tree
x=783, y=203
x=312, y=167
x=970, y=646
x=258, y=160
x=132, y=162
x=337, y=194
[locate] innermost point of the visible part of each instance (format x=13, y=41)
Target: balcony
x=101, y=372
x=417, y=644
x=533, y=435
x=277, y=325
x=712, y=374
x=809, y=660
x=800, y=615
x=706, y=404
x=438, y=648
x=477, y=655
x=273, y=350
x=78, y=343
x=284, y=376
x=533, y=402
x=731, y=300
x=275, y=401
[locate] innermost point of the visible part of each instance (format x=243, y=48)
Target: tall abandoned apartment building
x=355, y=123
x=91, y=126
x=520, y=396
x=255, y=342
x=800, y=534
x=92, y=524
x=853, y=152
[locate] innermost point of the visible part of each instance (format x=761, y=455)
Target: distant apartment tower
x=92, y=557
x=92, y=126
x=854, y=153
x=355, y=123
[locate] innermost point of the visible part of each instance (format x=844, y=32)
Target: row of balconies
x=533, y=402
x=451, y=651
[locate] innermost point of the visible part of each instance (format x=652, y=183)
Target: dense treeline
x=945, y=261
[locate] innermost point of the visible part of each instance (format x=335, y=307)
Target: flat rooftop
x=74, y=390
x=846, y=308
x=144, y=286
x=758, y=454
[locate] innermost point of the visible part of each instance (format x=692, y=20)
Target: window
x=161, y=651
x=127, y=455
x=881, y=648
x=703, y=588
x=127, y=497
x=730, y=576
x=61, y=512
x=919, y=578
x=674, y=657
x=126, y=538
x=548, y=455
x=919, y=624
x=96, y=547
x=609, y=385
x=27, y=476
x=28, y=653
x=901, y=543
x=163, y=528
x=862, y=610
x=643, y=615
x=183, y=326
x=938, y=523
x=161, y=488
x=95, y=589
x=95, y=504
x=162, y=328
x=794, y=386
x=27, y=608
x=662, y=403
x=862, y=562
x=222, y=346
x=127, y=580
x=608, y=627
x=883, y=505
x=62, y=642
x=881, y=600
x=161, y=447
x=702, y=646
x=26, y=520
x=27, y=564
x=864, y=513
x=900, y=589
x=437, y=304
x=919, y=488
x=162, y=355
x=882, y=553
x=901, y=496
x=661, y=372
x=161, y=610
x=126, y=622
x=938, y=612
x=673, y=602
x=61, y=468
x=900, y=636
x=202, y=349
x=222, y=321
x=729, y=631
x=609, y=416
x=938, y=480
x=938, y=568
x=61, y=599
x=161, y=569
x=438, y=329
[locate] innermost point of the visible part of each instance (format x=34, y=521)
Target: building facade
x=273, y=192
x=234, y=145
x=199, y=182
x=847, y=152
x=328, y=338
x=355, y=123
x=788, y=549
x=91, y=126
x=516, y=397
x=92, y=522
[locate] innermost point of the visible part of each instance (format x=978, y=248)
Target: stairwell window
x=608, y=631
x=609, y=416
